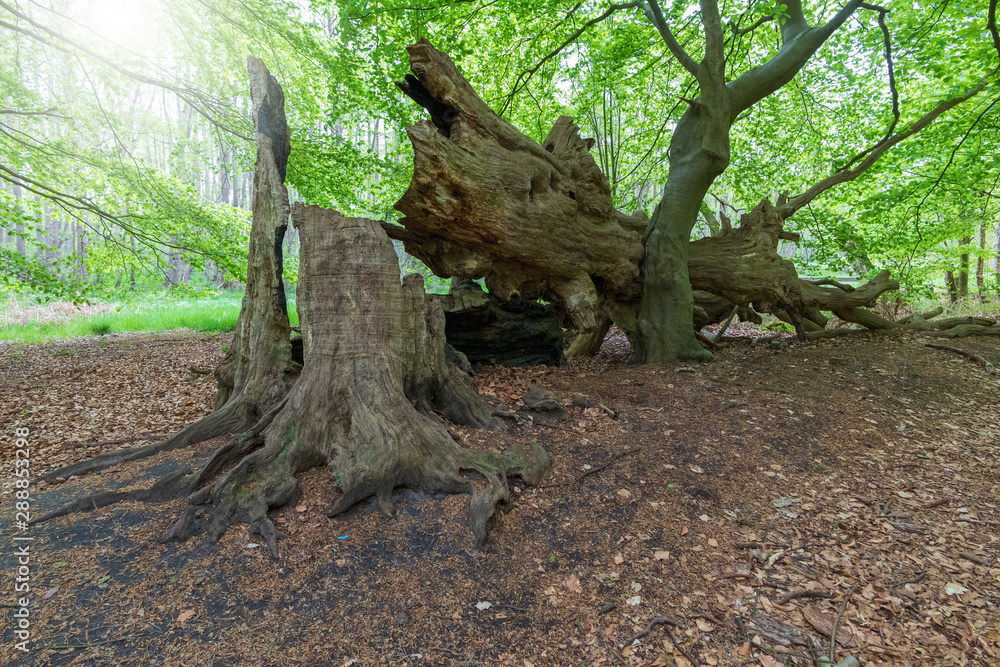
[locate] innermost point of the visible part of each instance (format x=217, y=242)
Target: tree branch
x=524, y=77
x=715, y=41
x=845, y=175
x=799, y=43
x=796, y=22
x=892, y=81
x=655, y=16
x=51, y=113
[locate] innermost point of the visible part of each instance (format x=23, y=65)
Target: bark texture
x=488, y=202
x=375, y=371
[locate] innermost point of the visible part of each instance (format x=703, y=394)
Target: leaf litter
x=887, y=459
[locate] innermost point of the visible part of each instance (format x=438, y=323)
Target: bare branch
x=50, y=113
x=892, y=82
x=846, y=175
x=739, y=32
x=655, y=17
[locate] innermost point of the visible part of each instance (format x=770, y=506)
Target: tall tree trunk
x=981, y=264
x=952, y=285
x=963, y=270
x=19, y=237
x=996, y=254
x=699, y=152
x=224, y=194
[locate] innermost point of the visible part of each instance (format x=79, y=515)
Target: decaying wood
x=743, y=267
x=486, y=201
x=517, y=332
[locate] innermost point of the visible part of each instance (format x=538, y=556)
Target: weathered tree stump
x=374, y=372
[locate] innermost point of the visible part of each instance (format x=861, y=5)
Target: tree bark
x=363, y=405
x=963, y=270
x=981, y=264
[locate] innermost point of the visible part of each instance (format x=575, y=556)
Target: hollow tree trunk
x=518, y=332
x=258, y=370
x=374, y=371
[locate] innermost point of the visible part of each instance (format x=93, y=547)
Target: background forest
x=126, y=145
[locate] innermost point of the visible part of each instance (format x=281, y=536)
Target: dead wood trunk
x=743, y=266
x=488, y=202
x=488, y=331
x=374, y=371
x=258, y=369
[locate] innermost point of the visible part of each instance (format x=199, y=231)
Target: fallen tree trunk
x=488, y=331
x=488, y=202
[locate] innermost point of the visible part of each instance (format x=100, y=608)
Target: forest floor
x=750, y=505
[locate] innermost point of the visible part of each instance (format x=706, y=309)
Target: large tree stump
x=488, y=202
x=258, y=369
x=374, y=370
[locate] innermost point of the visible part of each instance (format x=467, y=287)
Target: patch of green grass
x=213, y=314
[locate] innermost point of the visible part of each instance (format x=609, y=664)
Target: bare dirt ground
x=750, y=505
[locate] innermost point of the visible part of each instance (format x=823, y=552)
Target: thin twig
x=681, y=648
x=836, y=622
x=791, y=595
x=613, y=459
x=659, y=620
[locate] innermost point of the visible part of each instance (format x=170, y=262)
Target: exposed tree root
x=971, y=356
x=230, y=419
x=175, y=485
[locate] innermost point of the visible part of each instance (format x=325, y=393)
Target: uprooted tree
x=362, y=390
